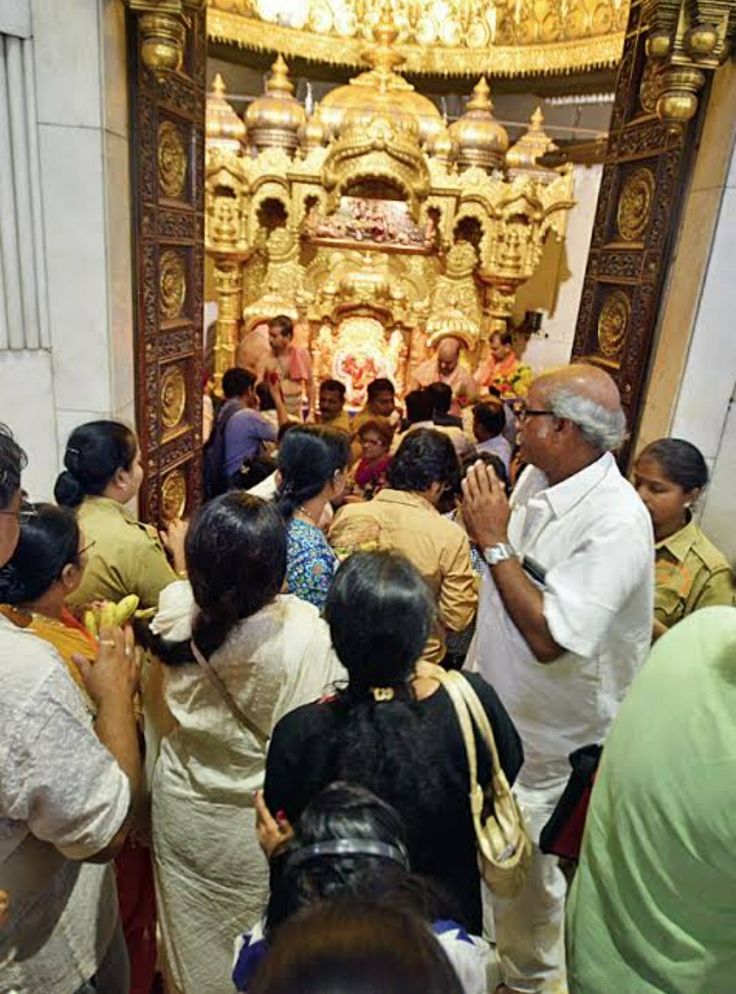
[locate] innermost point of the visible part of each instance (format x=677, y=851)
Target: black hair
x=490, y=414
x=265, y=399
x=378, y=386
x=333, y=386
x=352, y=947
x=48, y=542
x=379, y=426
x=380, y=612
x=309, y=456
x=490, y=459
x=425, y=456
x=419, y=406
x=343, y=811
x=504, y=337
x=13, y=461
x=284, y=324
x=237, y=381
x=236, y=560
x=440, y=395
x=251, y=474
x=94, y=453
x=681, y=461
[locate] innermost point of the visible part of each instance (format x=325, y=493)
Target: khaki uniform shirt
x=407, y=523
x=690, y=573
x=127, y=556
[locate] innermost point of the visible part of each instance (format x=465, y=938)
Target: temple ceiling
x=440, y=38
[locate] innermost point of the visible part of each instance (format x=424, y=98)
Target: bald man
x=444, y=367
x=564, y=621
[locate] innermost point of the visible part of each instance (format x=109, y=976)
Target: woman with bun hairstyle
x=47, y=566
x=103, y=474
x=312, y=464
x=690, y=572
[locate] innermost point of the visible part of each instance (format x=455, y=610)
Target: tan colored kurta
x=407, y=523
x=690, y=573
x=127, y=556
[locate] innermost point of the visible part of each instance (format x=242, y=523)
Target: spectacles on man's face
x=522, y=412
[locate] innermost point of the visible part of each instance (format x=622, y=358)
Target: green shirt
x=652, y=908
x=126, y=558
x=690, y=573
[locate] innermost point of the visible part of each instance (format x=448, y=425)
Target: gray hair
x=605, y=430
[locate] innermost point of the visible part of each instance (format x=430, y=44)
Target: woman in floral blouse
x=312, y=462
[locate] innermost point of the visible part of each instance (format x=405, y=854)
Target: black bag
x=563, y=833
x=213, y=454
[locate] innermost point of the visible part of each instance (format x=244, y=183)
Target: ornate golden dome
x=523, y=156
x=312, y=133
x=274, y=119
x=442, y=146
x=380, y=90
x=224, y=128
x=481, y=140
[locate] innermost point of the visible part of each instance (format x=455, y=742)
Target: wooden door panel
x=167, y=153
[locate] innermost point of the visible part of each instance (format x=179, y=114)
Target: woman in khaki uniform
x=670, y=475
x=104, y=473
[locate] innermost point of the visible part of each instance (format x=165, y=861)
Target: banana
x=107, y=615
x=145, y=613
x=90, y=623
x=125, y=609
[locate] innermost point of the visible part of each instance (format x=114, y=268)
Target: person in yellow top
x=103, y=473
x=404, y=518
x=332, y=405
x=47, y=566
x=669, y=475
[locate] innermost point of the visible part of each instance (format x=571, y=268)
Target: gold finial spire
x=223, y=126
x=531, y=146
x=279, y=81
x=480, y=98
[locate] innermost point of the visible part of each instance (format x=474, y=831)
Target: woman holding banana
x=102, y=475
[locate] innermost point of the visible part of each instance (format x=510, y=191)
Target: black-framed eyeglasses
x=85, y=548
x=522, y=412
x=25, y=513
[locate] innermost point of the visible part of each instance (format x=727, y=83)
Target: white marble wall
x=82, y=123
x=551, y=347
x=704, y=414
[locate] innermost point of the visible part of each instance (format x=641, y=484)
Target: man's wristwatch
x=499, y=553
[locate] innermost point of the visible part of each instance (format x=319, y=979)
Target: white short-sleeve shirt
x=62, y=799
x=589, y=542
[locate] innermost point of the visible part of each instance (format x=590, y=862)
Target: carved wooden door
x=167, y=159
x=638, y=213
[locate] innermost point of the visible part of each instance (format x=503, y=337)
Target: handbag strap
x=481, y=720
x=462, y=714
x=216, y=681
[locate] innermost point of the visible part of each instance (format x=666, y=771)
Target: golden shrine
x=375, y=225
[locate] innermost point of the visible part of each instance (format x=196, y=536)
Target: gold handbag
x=504, y=846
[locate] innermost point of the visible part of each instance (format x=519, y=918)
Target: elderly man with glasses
x=564, y=621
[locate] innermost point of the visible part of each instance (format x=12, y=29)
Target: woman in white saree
x=240, y=655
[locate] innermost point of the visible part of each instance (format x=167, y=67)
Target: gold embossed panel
x=172, y=284
x=167, y=125
x=635, y=204
x=613, y=323
x=171, y=160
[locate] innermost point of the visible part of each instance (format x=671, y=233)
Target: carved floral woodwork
x=167, y=127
